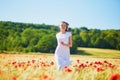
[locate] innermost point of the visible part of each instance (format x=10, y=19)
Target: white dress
x=62, y=53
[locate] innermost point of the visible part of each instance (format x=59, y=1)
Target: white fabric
x=62, y=53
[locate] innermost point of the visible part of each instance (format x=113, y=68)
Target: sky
x=93, y=14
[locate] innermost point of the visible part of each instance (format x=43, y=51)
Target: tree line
x=28, y=37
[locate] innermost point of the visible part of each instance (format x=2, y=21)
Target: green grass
x=82, y=52
x=97, y=52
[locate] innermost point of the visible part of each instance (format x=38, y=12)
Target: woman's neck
x=62, y=32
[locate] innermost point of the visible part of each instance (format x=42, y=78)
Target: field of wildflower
x=43, y=67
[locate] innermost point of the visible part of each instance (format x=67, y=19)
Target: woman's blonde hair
x=67, y=24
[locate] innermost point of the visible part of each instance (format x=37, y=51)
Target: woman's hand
x=65, y=44
x=62, y=43
x=70, y=42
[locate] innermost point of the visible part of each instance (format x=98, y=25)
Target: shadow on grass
x=82, y=52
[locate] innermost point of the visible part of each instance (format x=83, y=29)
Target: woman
x=64, y=40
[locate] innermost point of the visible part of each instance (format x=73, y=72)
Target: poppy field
x=43, y=67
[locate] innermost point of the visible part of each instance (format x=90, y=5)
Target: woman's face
x=62, y=26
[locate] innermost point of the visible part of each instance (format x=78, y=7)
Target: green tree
x=73, y=49
x=47, y=43
x=85, y=38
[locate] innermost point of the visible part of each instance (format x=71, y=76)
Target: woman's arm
x=70, y=42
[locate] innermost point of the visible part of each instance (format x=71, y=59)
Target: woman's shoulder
x=69, y=33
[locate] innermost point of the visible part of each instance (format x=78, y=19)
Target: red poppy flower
x=16, y=66
x=78, y=61
x=68, y=70
x=0, y=72
x=52, y=63
x=82, y=65
x=91, y=64
x=19, y=65
x=100, y=69
x=65, y=67
x=45, y=77
x=13, y=63
x=28, y=61
x=14, y=78
x=87, y=62
x=114, y=77
x=28, y=64
x=33, y=61
x=105, y=61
